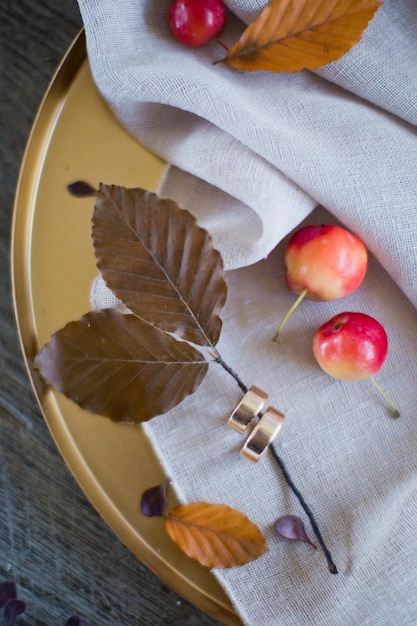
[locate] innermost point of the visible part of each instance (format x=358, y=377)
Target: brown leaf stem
x=216, y=356
x=331, y=565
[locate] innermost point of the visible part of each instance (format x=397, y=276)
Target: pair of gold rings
x=250, y=411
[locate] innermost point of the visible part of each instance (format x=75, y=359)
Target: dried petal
x=12, y=610
x=154, y=500
x=81, y=189
x=7, y=592
x=75, y=620
x=292, y=527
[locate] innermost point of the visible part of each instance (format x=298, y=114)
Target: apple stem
x=221, y=43
x=395, y=411
x=287, y=315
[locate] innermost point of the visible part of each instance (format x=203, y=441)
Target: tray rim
x=70, y=63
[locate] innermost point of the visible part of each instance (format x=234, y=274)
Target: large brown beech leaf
x=291, y=35
x=120, y=366
x=159, y=262
x=215, y=534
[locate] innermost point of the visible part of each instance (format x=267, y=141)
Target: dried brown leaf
x=159, y=262
x=291, y=35
x=120, y=366
x=215, y=534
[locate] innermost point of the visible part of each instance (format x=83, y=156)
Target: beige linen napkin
x=252, y=156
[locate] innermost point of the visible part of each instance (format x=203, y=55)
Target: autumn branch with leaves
x=162, y=266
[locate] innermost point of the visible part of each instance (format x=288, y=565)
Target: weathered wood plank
x=63, y=557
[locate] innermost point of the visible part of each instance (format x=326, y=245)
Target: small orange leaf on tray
x=291, y=35
x=215, y=534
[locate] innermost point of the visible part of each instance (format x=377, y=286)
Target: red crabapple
x=352, y=346
x=323, y=263
x=195, y=22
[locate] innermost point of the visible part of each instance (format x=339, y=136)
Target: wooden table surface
x=53, y=544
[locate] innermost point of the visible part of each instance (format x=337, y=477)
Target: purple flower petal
x=81, y=189
x=75, y=620
x=292, y=527
x=12, y=610
x=7, y=592
x=154, y=500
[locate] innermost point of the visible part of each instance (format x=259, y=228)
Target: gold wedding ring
x=263, y=434
x=248, y=408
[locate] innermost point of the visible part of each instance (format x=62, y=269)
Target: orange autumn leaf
x=215, y=534
x=291, y=35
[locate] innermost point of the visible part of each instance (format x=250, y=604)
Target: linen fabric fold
x=253, y=155
x=272, y=145
x=353, y=463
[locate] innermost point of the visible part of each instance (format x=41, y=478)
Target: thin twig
x=216, y=356
x=331, y=566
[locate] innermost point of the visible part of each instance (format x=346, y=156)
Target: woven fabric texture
x=253, y=156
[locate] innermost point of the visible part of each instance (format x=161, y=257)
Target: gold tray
x=76, y=137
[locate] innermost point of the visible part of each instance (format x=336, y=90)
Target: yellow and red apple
x=351, y=346
x=328, y=261
x=323, y=263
